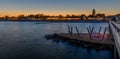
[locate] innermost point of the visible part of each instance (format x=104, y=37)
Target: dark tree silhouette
x=21, y=17
x=6, y=18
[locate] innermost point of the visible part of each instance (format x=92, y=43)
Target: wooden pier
x=85, y=41
x=85, y=38
x=112, y=41
x=114, y=28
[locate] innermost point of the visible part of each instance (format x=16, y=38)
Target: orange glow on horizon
x=16, y=13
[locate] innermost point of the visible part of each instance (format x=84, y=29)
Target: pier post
x=71, y=30
x=89, y=33
x=77, y=30
x=104, y=33
x=68, y=29
x=92, y=29
x=99, y=31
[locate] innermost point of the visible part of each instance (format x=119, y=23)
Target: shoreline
x=59, y=21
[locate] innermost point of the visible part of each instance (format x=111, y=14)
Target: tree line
x=38, y=17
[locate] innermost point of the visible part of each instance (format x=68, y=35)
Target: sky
x=56, y=7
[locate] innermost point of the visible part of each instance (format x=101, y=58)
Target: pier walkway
x=115, y=31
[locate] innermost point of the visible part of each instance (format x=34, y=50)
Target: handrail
x=115, y=36
x=116, y=26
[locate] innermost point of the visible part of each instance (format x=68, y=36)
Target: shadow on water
x=83, y=47
x=80, y=44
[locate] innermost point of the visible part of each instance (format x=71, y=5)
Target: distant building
x=100, y=16
x=95, y=16
x=93, y=12
x=83, y=17
x=110, y=17
x=92, y=16
x=117, y=18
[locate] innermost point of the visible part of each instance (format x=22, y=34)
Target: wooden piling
x=71, y=30
x=89, y=33
x=92, y=29
x=99, y=31
x=68, y=29
x=104, y=33
x=77, y=30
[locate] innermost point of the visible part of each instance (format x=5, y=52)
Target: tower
x=93, y=12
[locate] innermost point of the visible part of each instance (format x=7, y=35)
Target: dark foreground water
x=25, y=40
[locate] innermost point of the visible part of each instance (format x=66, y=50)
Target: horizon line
x=54, y=14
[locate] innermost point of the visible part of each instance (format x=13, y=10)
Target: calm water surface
x=25, y=40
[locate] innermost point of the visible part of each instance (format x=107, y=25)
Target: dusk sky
x=55, y=7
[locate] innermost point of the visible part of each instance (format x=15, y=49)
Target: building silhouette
x=94, y=13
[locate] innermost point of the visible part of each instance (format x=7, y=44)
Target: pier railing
x=114, y=27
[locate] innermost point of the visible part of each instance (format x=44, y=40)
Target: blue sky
x=54, y=7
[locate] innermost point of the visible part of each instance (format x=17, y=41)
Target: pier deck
x=114, y=28
x=86, y=38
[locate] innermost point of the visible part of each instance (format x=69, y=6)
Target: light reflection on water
x=25, y=40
